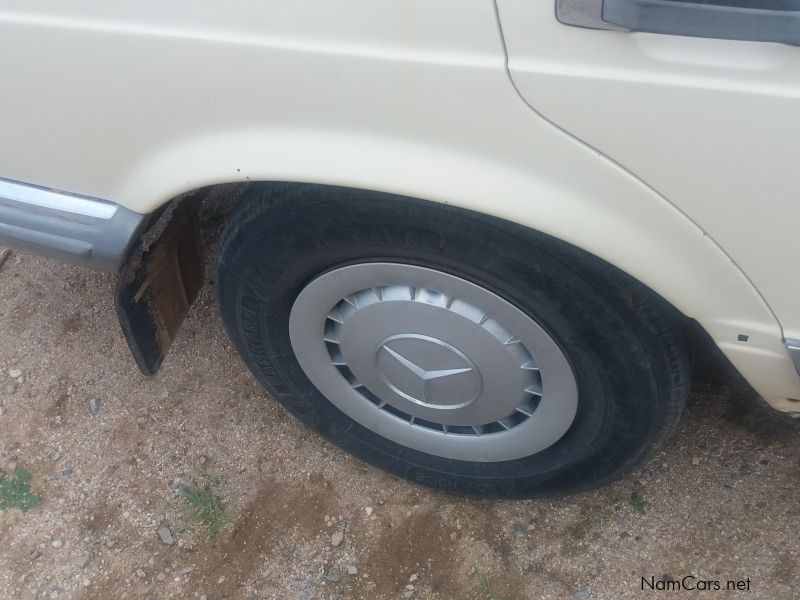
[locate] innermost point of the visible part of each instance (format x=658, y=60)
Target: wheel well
x=213, y=204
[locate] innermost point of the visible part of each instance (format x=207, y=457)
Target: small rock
x=333, y=576
x=186, y=570
x=584, y=593
x=55, y=456
x=413, y=578
x=520, y=533
x=140, y=573
x=84, y=559
x=165, y=535
x=57, y=544
x=34, y=554
x=15, y=373
x=86, y=582
x=453, y=536
x=368, y=510
x=409, y=587
x=351, y=570
x=695, y=461
x=408, y=593
x=161, y=576
x=337, y=538
x=94, y=406
x=66, y=473
x=203, y=460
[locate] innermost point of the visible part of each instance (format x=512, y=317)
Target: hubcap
x=452, y=387
x=433, y=362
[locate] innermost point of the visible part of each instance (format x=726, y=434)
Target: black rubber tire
x=624, y=343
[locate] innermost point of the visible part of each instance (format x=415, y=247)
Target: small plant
x=638, y=503
x=16, y=491
x=204, y=509
x=486, y=586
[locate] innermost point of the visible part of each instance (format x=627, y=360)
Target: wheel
x=447, y=347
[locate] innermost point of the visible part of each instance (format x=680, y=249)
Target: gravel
x=732, y=515
x=165, y=535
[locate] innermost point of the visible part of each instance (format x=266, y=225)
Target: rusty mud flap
x=157, y=285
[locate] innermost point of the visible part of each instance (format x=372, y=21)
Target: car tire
x=447, y=347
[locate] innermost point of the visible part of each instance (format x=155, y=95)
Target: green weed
x=16, y=491
x=486, y=586
x=638, y=503
x=204, y=510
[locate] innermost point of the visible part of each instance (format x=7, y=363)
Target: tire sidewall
x=264, y=265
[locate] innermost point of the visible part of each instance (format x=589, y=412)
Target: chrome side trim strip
x=793, y=346
x=77, y=229
x=53, y=200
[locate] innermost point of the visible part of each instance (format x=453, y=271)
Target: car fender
x=578, y=196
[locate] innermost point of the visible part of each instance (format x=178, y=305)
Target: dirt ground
x=720, y=502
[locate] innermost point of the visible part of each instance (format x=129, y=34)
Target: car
x=471, y=235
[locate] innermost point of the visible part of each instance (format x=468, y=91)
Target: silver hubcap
x=433, y=362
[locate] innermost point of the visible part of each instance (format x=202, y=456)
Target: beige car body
x=669, y=157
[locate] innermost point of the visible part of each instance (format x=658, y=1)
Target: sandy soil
x=721, y=501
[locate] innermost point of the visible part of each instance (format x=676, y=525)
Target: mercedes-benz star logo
x=428, y=371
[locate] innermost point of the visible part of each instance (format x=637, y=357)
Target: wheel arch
x=578, y=196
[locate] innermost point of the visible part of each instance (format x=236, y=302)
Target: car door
x=700, y=99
